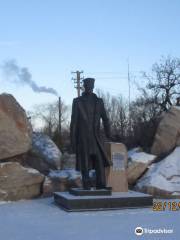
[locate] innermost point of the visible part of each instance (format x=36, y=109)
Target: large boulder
x=168, y=133
x=163, y=178
x=44, y=155
x=138, y=162
x=15, y=130
x=17, y=182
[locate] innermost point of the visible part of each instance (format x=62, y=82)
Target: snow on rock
x=142, y=157
x=69, y=173
x=163, y=178
x=58, y=174
x=73, y=174
x=61, y=180
x=134, y=150
x=137, y=165
x=31, y=170
x=45, y=149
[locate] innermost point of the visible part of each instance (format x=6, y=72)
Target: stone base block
x=118, y=200
x=92, y=192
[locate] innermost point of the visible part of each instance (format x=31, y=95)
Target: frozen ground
x=42, y=220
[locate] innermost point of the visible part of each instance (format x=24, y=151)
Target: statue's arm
x=73, y=125
x=105, y=120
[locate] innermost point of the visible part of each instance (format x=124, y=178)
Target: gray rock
x=45, y=151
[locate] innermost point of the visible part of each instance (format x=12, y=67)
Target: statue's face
x=88, y=87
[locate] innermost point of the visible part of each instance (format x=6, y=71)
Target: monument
x=87, y=111
x=108, y=162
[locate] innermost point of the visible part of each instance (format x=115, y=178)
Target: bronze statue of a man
x=87, y=112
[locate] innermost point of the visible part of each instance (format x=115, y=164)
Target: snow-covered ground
x=42, y=220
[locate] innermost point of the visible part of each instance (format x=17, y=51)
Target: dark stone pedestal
x=93, y=192
x=117, y=200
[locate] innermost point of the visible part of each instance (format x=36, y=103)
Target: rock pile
x=163, y=178
x=25, y=157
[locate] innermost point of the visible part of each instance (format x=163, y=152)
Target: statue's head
x=88, y=84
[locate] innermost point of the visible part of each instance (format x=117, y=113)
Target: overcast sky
x=54, y=37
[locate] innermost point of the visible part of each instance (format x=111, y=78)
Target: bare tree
x=164, y=81
x=117, y=110
x=48, y=115
x=145, y=116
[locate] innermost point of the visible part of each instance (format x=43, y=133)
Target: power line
x=120, y=77
x=114, y=73
x=104, y=72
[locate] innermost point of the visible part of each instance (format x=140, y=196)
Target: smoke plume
x=21, y=75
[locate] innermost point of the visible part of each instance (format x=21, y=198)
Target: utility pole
x=59, y=121
x=129, y=87
x=78, y=82
x=129, y=98
x=60, y=116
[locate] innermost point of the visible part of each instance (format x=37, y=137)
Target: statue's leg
x=86, y=179
x=100, y=173
x=85, y=171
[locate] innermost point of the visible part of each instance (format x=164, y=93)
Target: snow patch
x=58, y=174
x=142, y=157
x=4, y=202
x=31, y=170
x=71, y=174
x=133, y=151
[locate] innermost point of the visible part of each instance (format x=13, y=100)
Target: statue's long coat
x=79, y=133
